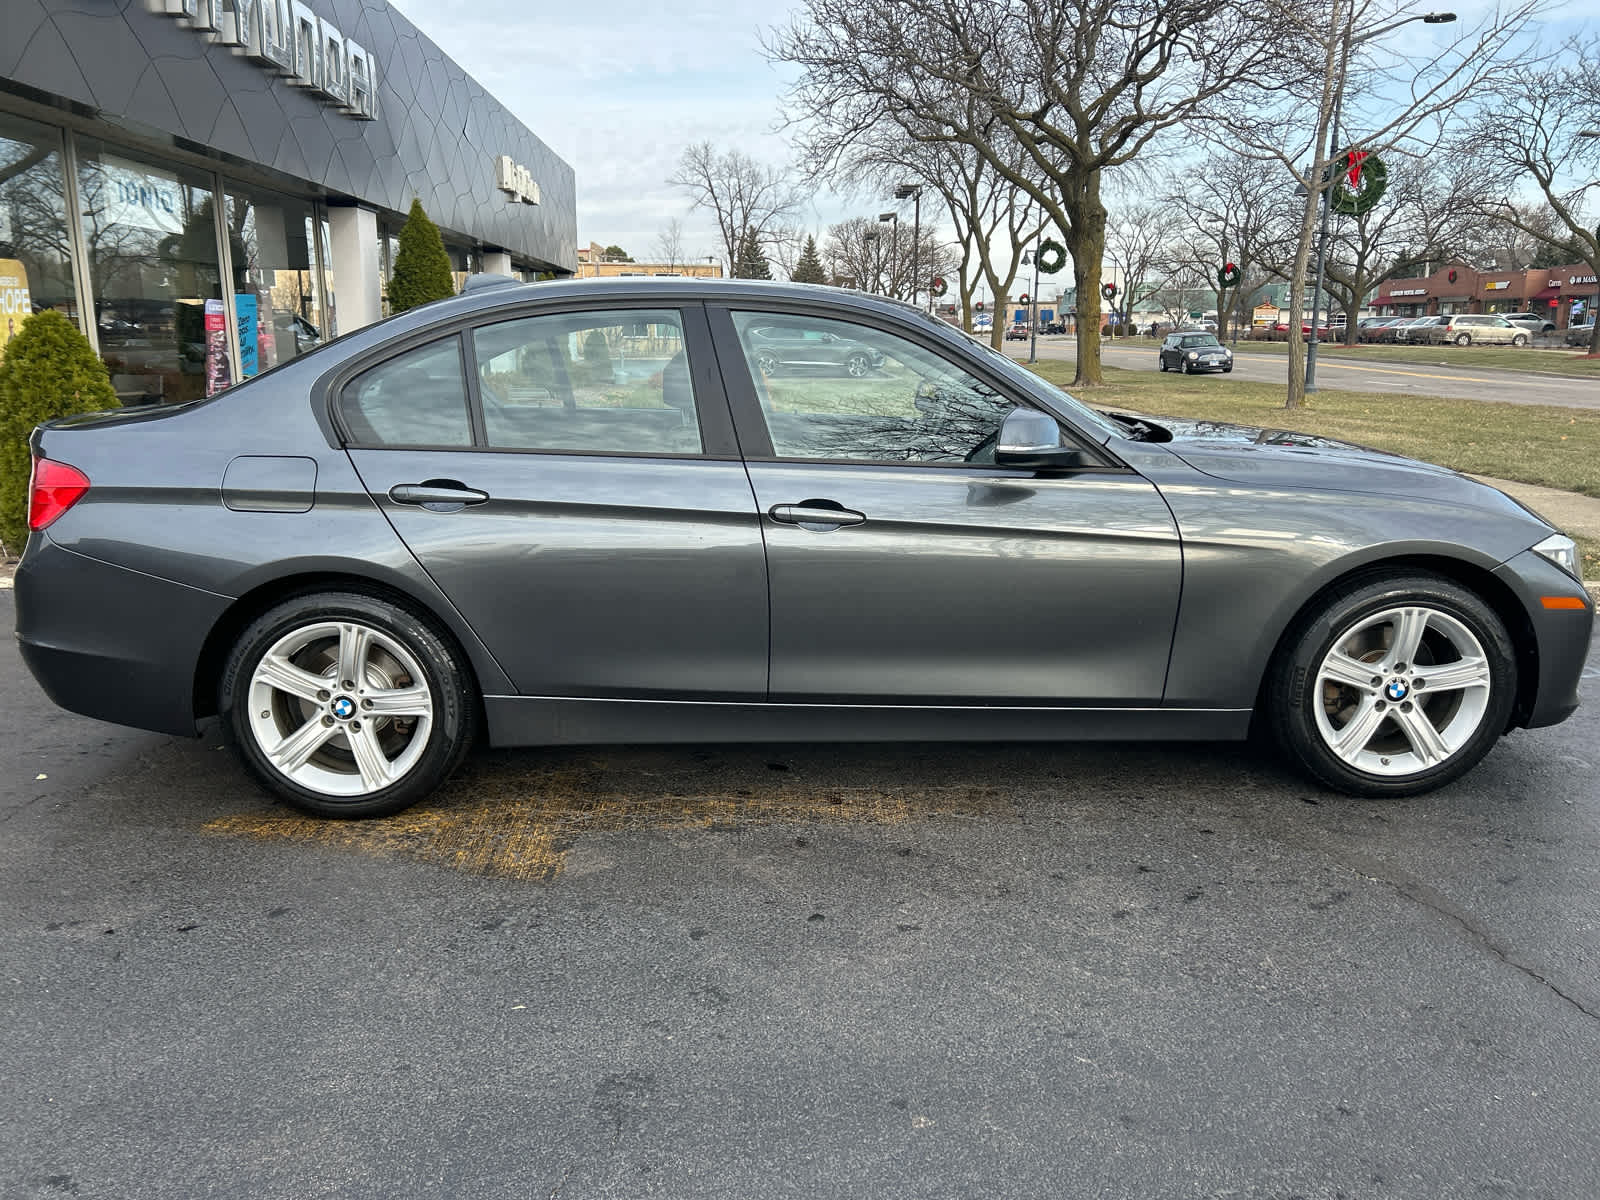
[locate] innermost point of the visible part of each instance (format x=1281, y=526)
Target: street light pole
x=1032, y=257
x=1325, y=186
x=894, y=249
x=914, y=191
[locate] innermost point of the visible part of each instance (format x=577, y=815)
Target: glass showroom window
x=35, y=263
x=150, y=232
x=277, y=298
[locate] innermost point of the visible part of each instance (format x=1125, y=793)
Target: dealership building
x=210, y=187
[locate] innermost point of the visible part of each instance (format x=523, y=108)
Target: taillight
x=54, y=488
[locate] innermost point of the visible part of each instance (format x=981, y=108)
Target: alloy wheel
x=1402, y=691
x=340, y=707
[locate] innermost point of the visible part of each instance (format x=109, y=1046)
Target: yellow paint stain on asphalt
x=522, y=828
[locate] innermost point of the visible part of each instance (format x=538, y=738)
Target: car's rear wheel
x=1392, y=687
x=1520, y=339
x=857, y=365
x=346, y=705
x=1463, y=339
x=766, y=362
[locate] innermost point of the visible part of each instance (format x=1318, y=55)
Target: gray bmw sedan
x=597, y=512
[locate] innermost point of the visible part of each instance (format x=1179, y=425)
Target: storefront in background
x=1562, y=294
x=208, y=196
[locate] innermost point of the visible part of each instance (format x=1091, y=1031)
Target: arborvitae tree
x=48, y=370
x=809, y=268
x=421, y=267
x=752, y=263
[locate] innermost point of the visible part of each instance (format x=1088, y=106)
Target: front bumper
x=1561, y=635
x=111, y=643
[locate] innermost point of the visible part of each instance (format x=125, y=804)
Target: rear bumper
x=111, y=643
x=1561, y=634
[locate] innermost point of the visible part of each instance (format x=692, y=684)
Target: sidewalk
x=1573, y=514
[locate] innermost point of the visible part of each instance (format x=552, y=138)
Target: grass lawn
x=1555, y=447
x=1508, y=358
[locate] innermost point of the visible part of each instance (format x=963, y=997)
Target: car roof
x=489, y=291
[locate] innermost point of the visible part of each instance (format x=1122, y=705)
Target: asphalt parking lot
x=936, y=970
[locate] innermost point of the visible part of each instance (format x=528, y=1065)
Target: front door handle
x=437, y=495
x=817, y=515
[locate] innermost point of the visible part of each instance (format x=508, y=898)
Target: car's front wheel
x=1161, y=362
x=857, y=365
x=346, y=705
x=1392, y=687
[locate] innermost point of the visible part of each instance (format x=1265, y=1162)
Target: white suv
x=1467, y=328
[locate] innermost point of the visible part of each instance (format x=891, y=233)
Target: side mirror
x=1033, y=439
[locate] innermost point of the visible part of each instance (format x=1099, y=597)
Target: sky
x=618, y=91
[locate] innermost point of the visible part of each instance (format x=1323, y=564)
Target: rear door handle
x=818, y=515
x=437, y=495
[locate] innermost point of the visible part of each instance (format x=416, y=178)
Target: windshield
x=1201, y=339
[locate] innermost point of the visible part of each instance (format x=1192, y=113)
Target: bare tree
x=1079, y=85
x=1401, y=99
x=669, y=244
x=995, y=221
x=862, y=250
x=740, y=192
x=1540, y=129
x=1232, y=209
x=1136, y=245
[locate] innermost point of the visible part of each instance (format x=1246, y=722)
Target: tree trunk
x=1086, y=243
x=997, y=328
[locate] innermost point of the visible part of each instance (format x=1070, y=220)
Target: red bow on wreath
x=1354, y=160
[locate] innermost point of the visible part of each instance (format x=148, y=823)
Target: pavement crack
x=1420, y=893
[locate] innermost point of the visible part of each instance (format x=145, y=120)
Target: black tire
x=1519, y=339
x=1161, y=362
x=1292, y=693
x=452, y=724
x=1227, y=370
x=1463, y=339
x=857, y=366
x=766, y=362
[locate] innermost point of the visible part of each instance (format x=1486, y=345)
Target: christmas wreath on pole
x=939, y=287
x=1360, y=183
x=1228, y=275
x=1051, y=258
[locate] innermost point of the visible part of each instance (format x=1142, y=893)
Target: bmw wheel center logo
x=344, y=707
x=1397, y=690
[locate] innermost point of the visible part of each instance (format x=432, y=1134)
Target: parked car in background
x=1017, y=333
x=477, y=520
x=1418, y=330
x=1464, y=329
x=1531, y=321
x=1193, y=352
x=1580, y=335
x=1379, y=329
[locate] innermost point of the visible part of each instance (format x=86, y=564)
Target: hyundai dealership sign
x=288, y=36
